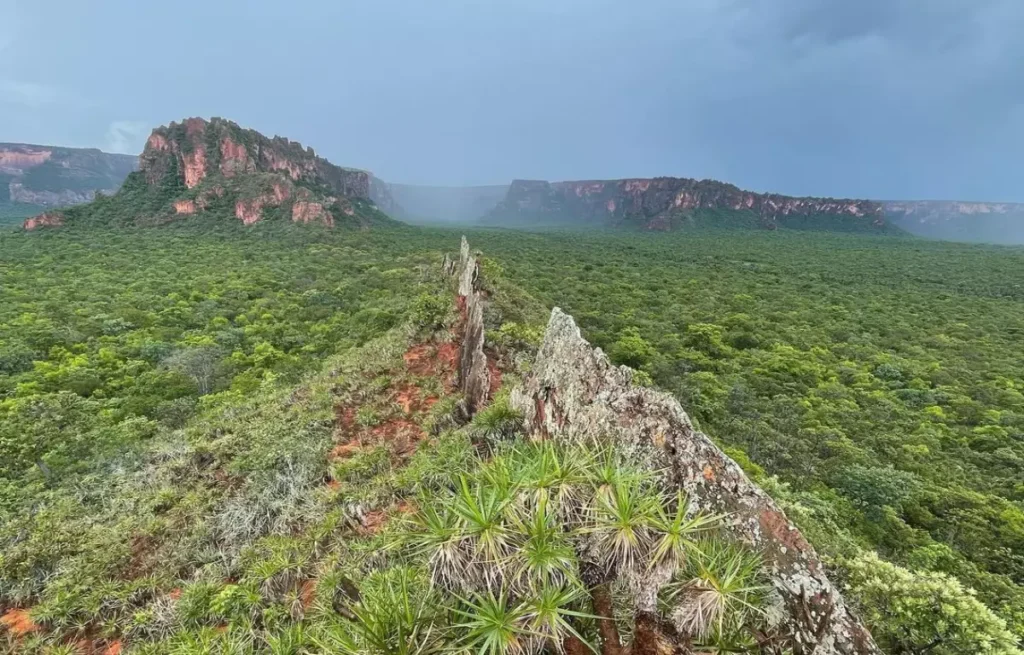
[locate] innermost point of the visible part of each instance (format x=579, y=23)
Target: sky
x=883, y=99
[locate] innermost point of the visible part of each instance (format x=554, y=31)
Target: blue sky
x=857, y=98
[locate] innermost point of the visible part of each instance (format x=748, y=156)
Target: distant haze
x=847, y=98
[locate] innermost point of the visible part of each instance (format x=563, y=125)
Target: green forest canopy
x=873, y=385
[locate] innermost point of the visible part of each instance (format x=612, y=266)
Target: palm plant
x=718, y=593
x=395, y=615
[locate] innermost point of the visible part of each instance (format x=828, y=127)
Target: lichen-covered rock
x=573, y=392
x=473, y=375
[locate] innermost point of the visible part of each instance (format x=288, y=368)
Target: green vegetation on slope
x=205, y=429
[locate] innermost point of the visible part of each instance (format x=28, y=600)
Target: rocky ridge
x=662, y=203
x=572, y=392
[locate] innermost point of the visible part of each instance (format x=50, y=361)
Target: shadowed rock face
x=656, y=203
x=573, y=393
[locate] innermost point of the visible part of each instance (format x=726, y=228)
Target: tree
x=915, y=613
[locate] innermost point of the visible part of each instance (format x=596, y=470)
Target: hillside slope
x=666, y=203
x=216, y=168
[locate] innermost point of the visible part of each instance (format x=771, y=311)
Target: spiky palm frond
x=492, y=624
x=620, y=524
x=677, y=532
x=544, y=556
x=721, y=591
x=395, y=616
x=481, y=509
x=436, y=533
x=549, y=613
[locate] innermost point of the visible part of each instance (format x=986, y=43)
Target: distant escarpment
x=216, y=168
x=35, y=178
x=985, y=222
x=665, y=203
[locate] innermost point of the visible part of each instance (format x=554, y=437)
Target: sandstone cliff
x=666, y=202
x=46, y=176
x=216, y=167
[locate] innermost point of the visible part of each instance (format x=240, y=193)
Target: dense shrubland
x=170, y=472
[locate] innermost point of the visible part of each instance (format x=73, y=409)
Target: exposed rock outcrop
x=574, y=393
x=49, y=219
x=658, y=203
x=473, y=374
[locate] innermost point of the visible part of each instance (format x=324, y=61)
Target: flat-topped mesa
x=657, y=203
x=574, y=393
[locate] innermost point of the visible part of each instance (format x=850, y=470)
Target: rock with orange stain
x=49, y=219
x=249, y=211
x=18, y=622
x=195, y=167
x=187, y=207
x=234, y=158
x=311, y=212
x=22, y=157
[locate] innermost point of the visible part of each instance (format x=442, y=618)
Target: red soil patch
x=406, y=507
x=419, y=359
x=343, y=451
x=494, y=376
x=373, y=521
x=18, y=622
x=433, y=360
x=408, y=398
x=401, y=434
x=143, y=546
x=307, y=593
x=334, y=484
x=175, y=594
x=113, y=649
x=345, y=418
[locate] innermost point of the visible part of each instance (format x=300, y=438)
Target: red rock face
x=49, y=219
x=195, y=167
x=186, y=207
x=158, y=142
x=234, y=158
x=23, y=158
x=311, y=212
x=249, y=211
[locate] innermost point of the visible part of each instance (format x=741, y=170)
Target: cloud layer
x=861, y=98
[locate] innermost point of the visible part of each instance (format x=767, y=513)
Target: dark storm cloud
x=875, y=98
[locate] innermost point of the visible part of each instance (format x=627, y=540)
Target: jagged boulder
x=573, y=392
